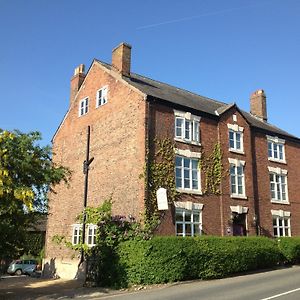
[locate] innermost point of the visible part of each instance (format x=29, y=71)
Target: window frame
x=83, y=109
x=192, y=157
x=236, y=130
x=276, y=143
x=93, y=236
x=278, y=185
x=237, y=164
x=78, y=236
x=280, y=215
x=100, y=101
x=193, y=209
x=189, y=124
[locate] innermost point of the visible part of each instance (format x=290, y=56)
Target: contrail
x=198, y=16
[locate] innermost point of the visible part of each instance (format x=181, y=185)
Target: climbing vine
x=213, y=170
x=160, y=173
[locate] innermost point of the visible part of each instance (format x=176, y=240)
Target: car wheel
x=18, y=272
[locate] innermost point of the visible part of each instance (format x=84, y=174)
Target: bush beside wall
x=169, y=259
x=290, y=249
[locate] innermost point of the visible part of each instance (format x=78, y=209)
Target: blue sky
x=220, y=49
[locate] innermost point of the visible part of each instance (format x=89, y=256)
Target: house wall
x=292, y=165
x=118, y=146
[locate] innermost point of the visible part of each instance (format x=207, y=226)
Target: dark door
x=239, y=224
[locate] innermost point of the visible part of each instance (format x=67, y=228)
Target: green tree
x=27, y=173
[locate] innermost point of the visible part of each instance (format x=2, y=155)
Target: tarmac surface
x=32, y=288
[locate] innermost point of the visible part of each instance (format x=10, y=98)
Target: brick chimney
x=121, y=59
x=76, y=81
x=258, y=104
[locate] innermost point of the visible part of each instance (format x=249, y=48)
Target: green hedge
x=290, y=248
x=169, y=259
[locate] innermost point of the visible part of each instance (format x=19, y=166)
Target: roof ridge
x=181, y=89
x=170, y=85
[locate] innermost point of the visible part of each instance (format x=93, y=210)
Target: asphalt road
x=281, y=284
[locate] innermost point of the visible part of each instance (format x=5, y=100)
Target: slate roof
x=191, y=100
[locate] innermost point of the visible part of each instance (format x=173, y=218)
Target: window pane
x=232, y=169
x=186, y=163
x=179, y=216
x=270, y=149
x=275, y=151
x=179, y=127
x=178, y=161
x=195, y=185
x=231, y=139
x=240, y=170
x=196, y=132
x=179, y=229
x=188, y=230
x=194, y=164
x=196, y=217
x=238, y=140
x=188, y=216
x=196, y=229
x=280, y=152
x=187, y=130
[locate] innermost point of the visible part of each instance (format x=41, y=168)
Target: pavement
x=28, y=288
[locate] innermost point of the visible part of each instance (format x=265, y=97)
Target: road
x=283, y=284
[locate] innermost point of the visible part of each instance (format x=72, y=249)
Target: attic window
x=83, y=106
x=101, y=96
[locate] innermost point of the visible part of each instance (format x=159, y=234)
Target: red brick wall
x=118, y=146
x=292, y=151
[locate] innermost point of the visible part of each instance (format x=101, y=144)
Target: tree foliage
x=26, y=175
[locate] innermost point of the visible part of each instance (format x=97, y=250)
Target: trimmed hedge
x=290, y=249
x=169, y=259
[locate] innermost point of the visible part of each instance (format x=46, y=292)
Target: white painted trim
x=239, y=209
x=280, y=213
x=235, y=127
x=236, y=162
x=277, y=170
x=186, y=115
x=188, y=153
x=275, y=139
x=188, y=205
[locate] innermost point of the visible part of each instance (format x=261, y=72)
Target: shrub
x=290, y=249
x=168, y=259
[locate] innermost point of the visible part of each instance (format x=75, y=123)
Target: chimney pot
x=121, y=59
x=258, y=104
x=76, y=81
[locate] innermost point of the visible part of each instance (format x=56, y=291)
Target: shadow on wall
x=49, y=269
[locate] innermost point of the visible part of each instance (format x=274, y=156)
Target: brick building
x=127, y=113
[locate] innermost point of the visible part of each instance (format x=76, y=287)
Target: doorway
x=239, y=224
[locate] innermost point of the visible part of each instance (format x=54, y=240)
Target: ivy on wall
x=160, y=173
x=213, y=170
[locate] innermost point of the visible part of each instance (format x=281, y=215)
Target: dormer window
x=84, y=106
x=236, y=143
x=276, y=151
x=101, y=96
x=187, y=127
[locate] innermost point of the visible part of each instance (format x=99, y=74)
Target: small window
x=281, y=226
x=187, y=173
x=236, y=143
x=83, y=106
x=76, y=235
x=91, y=235
x=188, y=222
x=276, y=151
x=101, y=96
x=187, y=127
